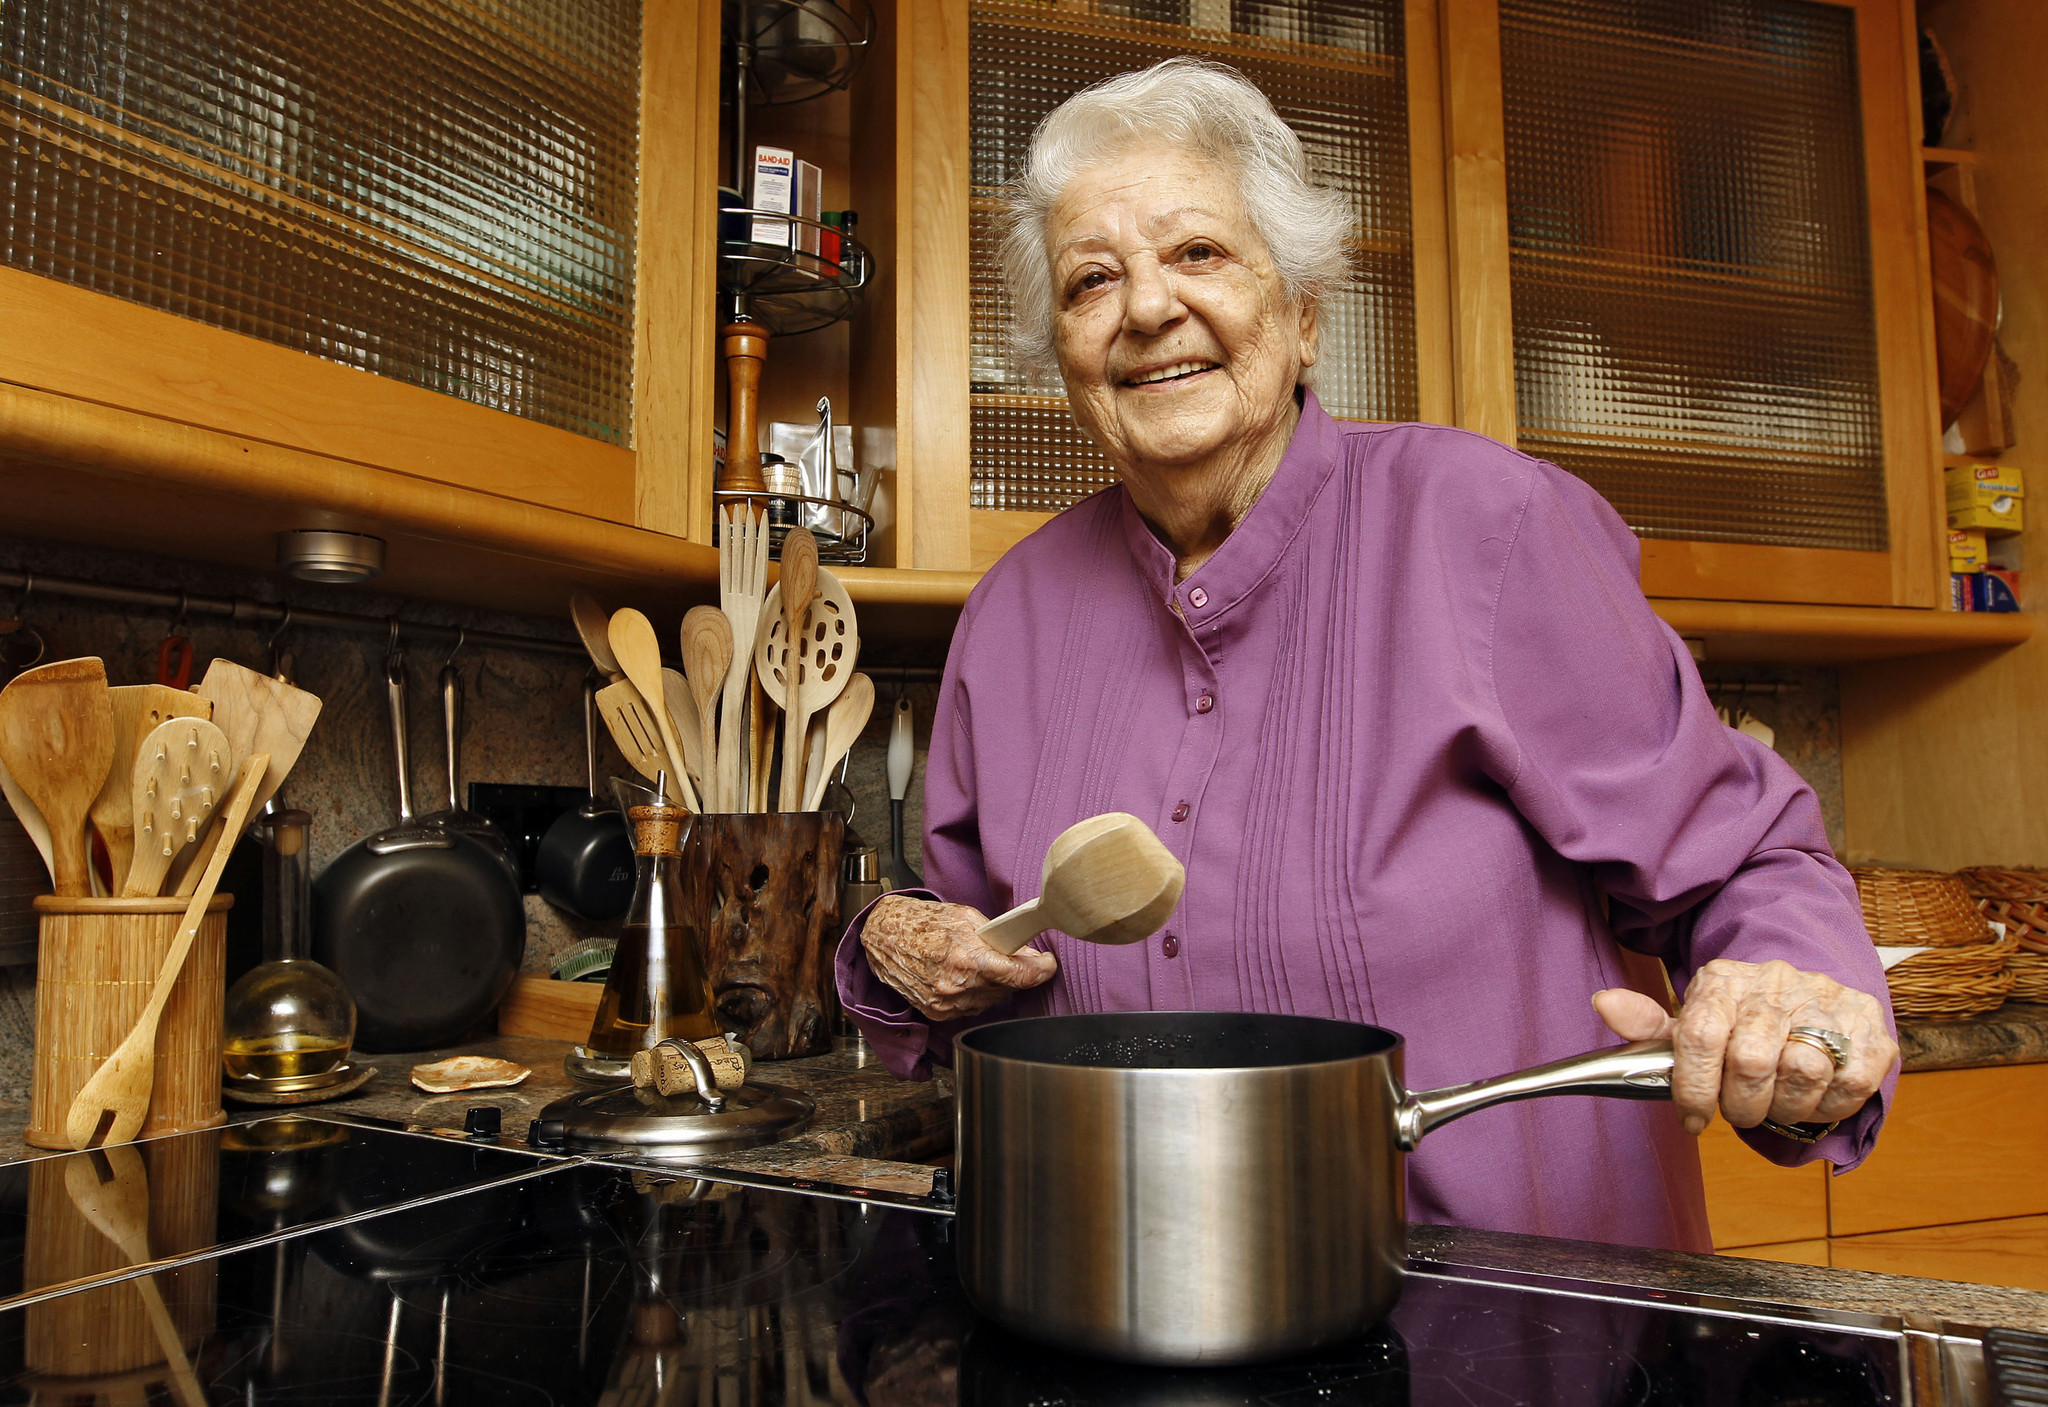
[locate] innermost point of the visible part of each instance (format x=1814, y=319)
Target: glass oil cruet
x=658, y=986
x=288, y=1024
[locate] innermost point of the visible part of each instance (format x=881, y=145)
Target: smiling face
x=1175, y=336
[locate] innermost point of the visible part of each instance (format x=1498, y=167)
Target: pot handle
x=1638, y=1071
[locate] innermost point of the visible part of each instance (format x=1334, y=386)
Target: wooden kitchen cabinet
x=1952, y=1190
x=136, y=428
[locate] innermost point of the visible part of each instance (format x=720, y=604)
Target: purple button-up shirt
x=1430, y=761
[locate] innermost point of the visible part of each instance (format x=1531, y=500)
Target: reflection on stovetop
x=193, y=1192
x=585, y=1284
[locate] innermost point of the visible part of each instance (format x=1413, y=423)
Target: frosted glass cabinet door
x=1696, y=299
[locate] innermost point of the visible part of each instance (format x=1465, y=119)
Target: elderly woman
x=1393, y=696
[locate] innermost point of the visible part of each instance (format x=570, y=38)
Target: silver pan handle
x=1638, y=1071
x=394, y=704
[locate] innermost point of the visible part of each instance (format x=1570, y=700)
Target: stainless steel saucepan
x=1197, y=1188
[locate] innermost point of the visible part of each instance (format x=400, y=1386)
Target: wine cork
x=664, y=1068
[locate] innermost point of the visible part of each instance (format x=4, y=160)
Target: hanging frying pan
x=420, y=921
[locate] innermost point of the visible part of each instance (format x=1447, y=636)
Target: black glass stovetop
x=318, y=1262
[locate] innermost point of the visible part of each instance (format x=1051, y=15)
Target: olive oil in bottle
x=657, y=986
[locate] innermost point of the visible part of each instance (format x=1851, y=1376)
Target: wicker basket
x=1954, y=981
x=1918, y=909
x=2016, y=898
x=2029, y=976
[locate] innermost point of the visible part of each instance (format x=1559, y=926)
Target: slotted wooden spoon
x=820, y=656
x=181, y=773
x=138, y=709
x=57, y=742
x=1106, y=880
x=111, y=1107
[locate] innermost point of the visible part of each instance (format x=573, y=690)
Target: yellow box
x=1977, y=483
x=2001, y=515
x=1967, y=551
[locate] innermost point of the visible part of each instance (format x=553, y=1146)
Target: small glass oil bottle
x=658, y=986
x=288, y=1024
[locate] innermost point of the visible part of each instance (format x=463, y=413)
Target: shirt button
x=1170, y=946
x=1198, y=598
x=1180, y=812
x=1205, y=703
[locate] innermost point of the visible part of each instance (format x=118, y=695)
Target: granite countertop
x=867, y=1119
x=1921, y=1303
x=2015, y=1034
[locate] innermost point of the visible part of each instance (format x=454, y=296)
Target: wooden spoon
x=594, y=626
x=258, y=713
x=110, y=1188
x=760, y=746
x=138, y=709
x=798, y=586
x=1106, y=880
x=639, y=654
x=31, y=819
x=57, y=741
x=682, y=711
x=111, y=1107
x=843, y=724
x=707, y=659
x=180, y=774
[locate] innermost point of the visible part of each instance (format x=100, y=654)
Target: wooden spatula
x=181, y=774
x=632, y=727
x=111, y=1107
x=31, y=819
x=707, y=658
x=258, y=714
x=639, y=653
x=1106, y=880
x=138, y=709
x=57, y=741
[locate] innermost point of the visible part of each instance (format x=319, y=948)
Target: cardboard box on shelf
x=1988, y=497
x=1967, y=549
x=774, y=189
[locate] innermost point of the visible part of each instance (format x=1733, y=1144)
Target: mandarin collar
x=1257, y=543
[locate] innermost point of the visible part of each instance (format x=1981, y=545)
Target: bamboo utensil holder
x=99, y=959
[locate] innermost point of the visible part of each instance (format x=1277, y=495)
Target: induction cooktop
x=307, y=1261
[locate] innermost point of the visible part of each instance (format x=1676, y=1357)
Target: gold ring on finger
x=1833, y=1044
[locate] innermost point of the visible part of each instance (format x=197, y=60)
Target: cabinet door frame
x=1910, y=571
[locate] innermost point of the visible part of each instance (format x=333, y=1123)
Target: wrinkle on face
x=1155, y=263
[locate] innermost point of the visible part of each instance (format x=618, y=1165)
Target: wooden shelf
x=1936, y=157
x=1768, y=632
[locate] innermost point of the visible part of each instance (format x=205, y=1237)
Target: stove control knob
x=546, y=1133
x=942, y=1186
x=483, y=1121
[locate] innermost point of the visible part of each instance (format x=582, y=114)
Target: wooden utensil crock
x=772, y=900
x=99, y=958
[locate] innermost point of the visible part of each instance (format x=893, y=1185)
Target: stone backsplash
x=522, y=716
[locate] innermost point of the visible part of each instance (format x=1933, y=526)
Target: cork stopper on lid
x=658, y=830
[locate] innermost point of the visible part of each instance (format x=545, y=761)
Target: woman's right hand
x=929, y=952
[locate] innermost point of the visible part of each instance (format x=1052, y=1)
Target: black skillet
x=585, y=861
x=423, y=923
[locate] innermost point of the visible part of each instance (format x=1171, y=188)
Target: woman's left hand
x=1731, y=1046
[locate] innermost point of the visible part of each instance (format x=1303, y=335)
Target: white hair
x=1307, y=228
